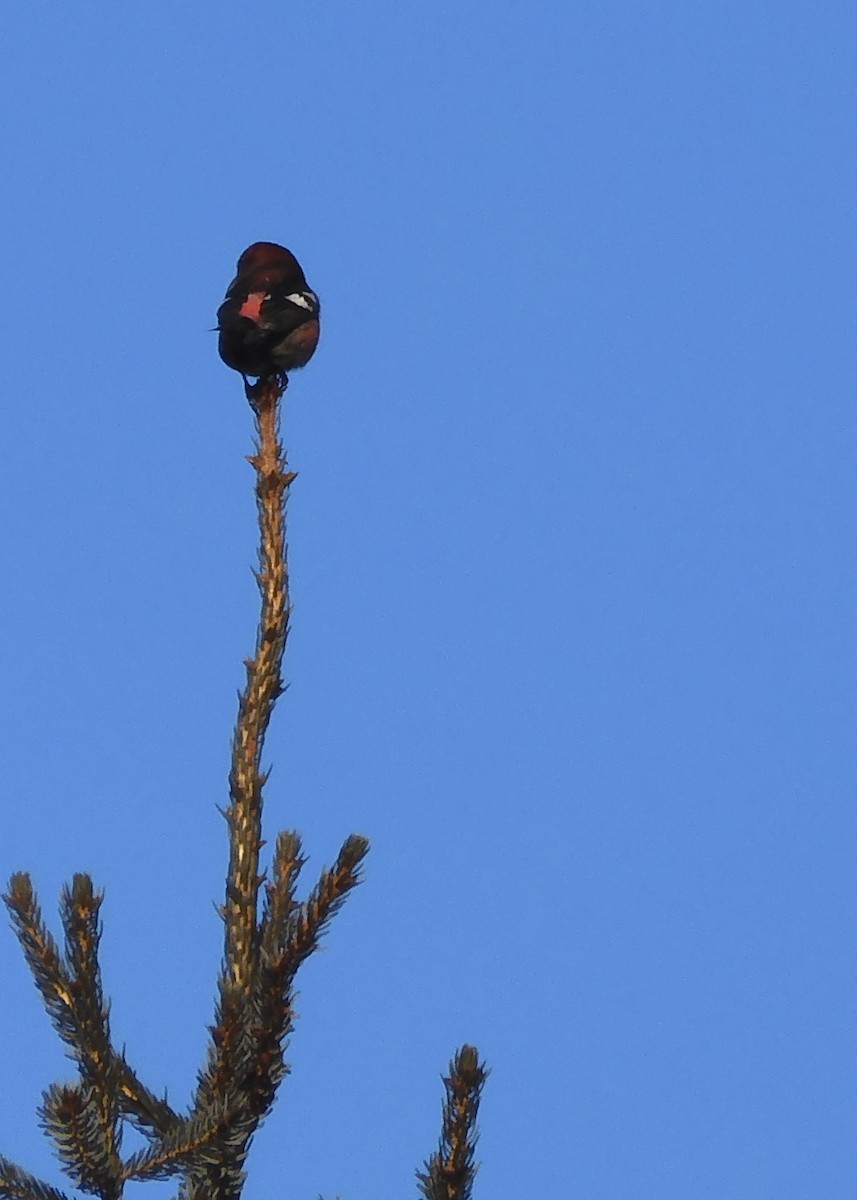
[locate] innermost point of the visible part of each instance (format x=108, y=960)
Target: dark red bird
x=268, y=322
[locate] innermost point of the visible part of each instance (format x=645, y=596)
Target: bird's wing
x=283, y=312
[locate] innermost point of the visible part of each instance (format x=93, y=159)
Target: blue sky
x=572, y=544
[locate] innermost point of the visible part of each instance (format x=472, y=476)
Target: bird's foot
x=266, y=389
x=252, y=390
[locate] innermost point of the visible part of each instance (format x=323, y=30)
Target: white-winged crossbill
x=268, y=322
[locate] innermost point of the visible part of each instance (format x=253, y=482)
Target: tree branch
x=450, y=1171
x=16, y=1184
x=61, y=997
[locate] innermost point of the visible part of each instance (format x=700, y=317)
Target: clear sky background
x=573, y=555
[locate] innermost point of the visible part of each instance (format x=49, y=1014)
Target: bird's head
x=268, y=256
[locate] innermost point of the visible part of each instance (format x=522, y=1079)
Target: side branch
x=450, y=1171
x=71, y=1009
x=96, y=1125
x=16, y=1184
x=284, y=950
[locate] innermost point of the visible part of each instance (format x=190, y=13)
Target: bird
x=268, y=323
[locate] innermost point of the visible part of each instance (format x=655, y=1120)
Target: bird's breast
x=252, y=306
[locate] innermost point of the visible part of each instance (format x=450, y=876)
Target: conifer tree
x=268, y=934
